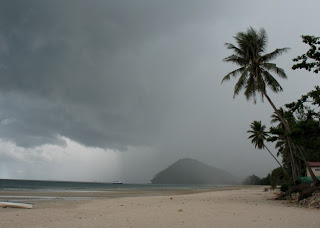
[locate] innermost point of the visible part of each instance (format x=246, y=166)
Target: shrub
x=284, y=187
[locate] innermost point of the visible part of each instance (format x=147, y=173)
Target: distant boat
x=5, y=204
x=117, y=182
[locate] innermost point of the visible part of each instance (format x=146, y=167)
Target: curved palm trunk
x=283, y=121
x=286, y=125
x=293, y=167
x=298, y=167
x=276, y=160
x=314, y=178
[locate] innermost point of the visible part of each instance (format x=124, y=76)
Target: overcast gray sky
x=119, y=90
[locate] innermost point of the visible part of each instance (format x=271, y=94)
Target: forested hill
x=190, y=171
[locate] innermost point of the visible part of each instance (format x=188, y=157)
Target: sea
x=12, y=184
x=72, y=190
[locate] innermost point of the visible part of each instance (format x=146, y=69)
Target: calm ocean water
x=7, y=184
x=35, y=190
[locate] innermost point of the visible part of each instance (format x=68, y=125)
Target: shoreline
x=47, y=194
x=243, y=206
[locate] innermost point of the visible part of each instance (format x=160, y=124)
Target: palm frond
x=261, y=85
x=263, y=39
x=271, y=82
x=250, y=89
x=232, y=73
x=275, y=118
x=272, y=55
x=273, y=67
x=241, y=82
x=232, y=47
x=236, y=59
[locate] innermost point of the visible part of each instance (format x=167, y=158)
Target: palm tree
x=255, y=72
x=259, y=135
x=254, y=64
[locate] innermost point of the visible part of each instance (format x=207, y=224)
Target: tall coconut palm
x=255, y=66
x=256, y=72
x=259, y=135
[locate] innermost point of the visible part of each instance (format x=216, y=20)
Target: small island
x=191, y=171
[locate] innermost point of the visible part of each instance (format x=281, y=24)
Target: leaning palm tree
x=256, y=72
x=259, y=135
x=255, y=66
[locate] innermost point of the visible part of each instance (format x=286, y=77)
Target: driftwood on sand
x=5, y=204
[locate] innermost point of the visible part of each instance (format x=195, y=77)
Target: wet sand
x=236, y=207
x=30, y=195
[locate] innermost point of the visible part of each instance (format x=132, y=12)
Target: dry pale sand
x=244, y=207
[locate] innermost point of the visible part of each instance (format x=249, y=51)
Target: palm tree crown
x=255, y=69
x=259, y=135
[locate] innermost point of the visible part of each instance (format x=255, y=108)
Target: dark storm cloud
x=98, y=72
x=136, y=75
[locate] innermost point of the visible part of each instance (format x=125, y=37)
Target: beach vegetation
x=266, y=180
x=304, y=119
x=256, y=74
x=252, y=180
x=284, y=187
x=258, y=136
x=278, y=177
x=311, y=59
x=286, y=149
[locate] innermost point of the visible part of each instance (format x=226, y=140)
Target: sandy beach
x=235, y=207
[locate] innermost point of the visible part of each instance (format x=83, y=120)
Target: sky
x=121, y=89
